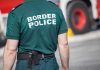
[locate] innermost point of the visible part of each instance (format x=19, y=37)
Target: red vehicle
x=7, y=5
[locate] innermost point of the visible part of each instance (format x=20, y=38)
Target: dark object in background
x=2, y=40
x=79, y=17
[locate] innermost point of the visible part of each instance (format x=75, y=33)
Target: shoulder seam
x=16, y=7
x=52, y=3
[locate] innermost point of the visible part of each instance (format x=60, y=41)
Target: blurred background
x=83, y=20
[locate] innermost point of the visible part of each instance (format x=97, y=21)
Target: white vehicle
x=81, y=14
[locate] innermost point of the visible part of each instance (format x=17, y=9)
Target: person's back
x=36, y=25
x=39, y=23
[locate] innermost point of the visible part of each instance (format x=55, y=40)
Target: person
x=34, y=31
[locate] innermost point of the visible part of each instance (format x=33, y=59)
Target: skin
x=10, y=52
x=63, y=51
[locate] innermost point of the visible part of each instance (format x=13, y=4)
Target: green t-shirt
x=36, y=24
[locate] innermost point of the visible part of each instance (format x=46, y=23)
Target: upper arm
x=12, y=44
x=13, y=27
x=62, y=33
x=13, y=32
x=62, y=24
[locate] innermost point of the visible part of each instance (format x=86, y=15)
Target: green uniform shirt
x=36, y=24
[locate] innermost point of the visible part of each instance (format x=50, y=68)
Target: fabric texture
x=36, y=24
x=44, y=64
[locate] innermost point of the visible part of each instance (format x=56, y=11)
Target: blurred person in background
x=33, y=31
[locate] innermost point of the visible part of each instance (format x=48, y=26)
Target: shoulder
x=18, y=10
x=52, y=3
x=54, y=6
x=15, y=9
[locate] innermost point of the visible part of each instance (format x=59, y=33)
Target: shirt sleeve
x=12, y=27
x=63, y=25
